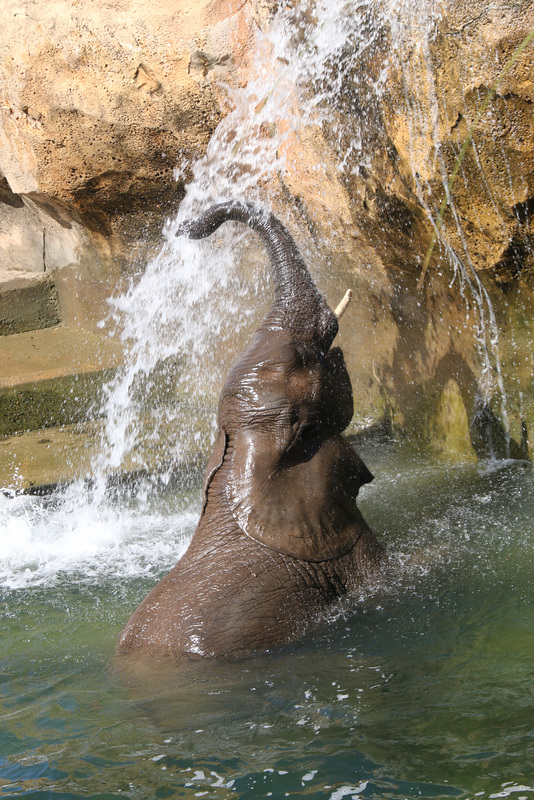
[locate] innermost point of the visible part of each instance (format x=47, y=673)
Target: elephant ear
x=215, y=461
x=299, y=501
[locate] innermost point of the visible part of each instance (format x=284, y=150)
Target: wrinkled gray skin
x=280, y=536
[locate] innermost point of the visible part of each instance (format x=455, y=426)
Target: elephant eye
x=305, y=354
x=310, y=430
x=293, y=417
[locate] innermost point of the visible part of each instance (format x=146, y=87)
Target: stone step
x=51, y=425
x=39, y=461
x=53, y=377
x=28, y=301
x=47, y=457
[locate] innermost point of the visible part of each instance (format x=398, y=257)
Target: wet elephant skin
x=280, y=537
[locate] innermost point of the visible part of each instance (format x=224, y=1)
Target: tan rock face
x=445, y=90
x=470, y=320
x=99, y=101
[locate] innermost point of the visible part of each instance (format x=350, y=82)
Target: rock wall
x=444, y=350
x=106, y=105
x=100, y=104
x=467, y=79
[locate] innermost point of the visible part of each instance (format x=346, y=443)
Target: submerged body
x=280, y=536
x=230, y=594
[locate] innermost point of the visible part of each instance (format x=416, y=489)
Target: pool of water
x=421, y=689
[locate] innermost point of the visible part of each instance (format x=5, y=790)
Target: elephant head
x=280, y=486
x=289, y=485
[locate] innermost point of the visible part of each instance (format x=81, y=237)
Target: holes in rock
x=395, y=212
x=515, y=259
x=525, y=210
x=519, y=255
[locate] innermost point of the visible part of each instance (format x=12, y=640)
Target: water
x=421, y=689
x=197, y=303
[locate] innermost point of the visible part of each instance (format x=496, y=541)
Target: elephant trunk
x=298, y=306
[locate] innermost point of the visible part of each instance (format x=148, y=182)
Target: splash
x=189, y=313
x=194, y=305
x=46, y=539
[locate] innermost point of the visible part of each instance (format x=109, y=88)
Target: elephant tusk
x=342, y=307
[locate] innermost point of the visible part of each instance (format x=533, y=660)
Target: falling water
x=423, y=120
x=192, y=303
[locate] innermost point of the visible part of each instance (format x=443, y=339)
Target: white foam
x=41, y=542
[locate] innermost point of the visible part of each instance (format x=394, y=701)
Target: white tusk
x=342, y=307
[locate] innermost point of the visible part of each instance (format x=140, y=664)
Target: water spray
x=448, y=189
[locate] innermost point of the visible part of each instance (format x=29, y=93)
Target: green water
x=423, y=689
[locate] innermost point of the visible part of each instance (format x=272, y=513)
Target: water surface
x=423, y=689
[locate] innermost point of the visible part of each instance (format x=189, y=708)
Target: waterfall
x=193, y=302
x=187, y=315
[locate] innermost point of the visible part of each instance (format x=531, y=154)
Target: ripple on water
x=419, y=688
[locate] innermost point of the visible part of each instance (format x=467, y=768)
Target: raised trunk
x=298, y=306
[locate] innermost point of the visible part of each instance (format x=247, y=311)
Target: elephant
x=280, y=537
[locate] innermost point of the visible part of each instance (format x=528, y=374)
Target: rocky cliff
x=100, y=104
x=106, y=106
